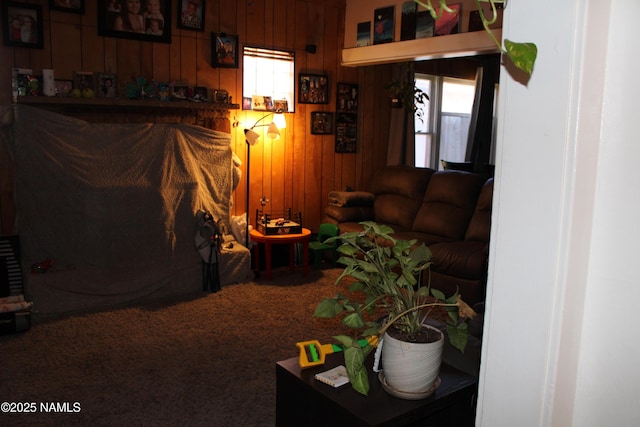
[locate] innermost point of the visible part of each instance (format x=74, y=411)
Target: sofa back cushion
x=480, y=224
x=399, y=191
x=448, y=204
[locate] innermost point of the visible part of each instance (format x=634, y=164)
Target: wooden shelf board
x=452, y=46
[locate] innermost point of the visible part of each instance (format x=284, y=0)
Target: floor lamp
x=251, y=137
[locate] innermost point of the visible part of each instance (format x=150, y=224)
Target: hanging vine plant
x=404, y=93
x=523, y=55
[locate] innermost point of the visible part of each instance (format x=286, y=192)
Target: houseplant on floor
x=387, y=299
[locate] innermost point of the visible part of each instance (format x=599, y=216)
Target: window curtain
x=401, y=148
x=481, y=126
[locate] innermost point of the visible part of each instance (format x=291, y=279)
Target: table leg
x=267, y=247
x=305, y=257
x=256, y=256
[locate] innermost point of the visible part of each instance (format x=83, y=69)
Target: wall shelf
x=111, y=103
x=116, y=110
x=452, y=46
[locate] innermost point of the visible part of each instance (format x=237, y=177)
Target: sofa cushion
x=346, y=214
x=465, y=259
x=480, y=224
x=448, y=204
x=399, y=191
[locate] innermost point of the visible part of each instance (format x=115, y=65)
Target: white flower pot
x=410, y=370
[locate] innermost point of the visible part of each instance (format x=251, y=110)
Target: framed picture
x=321, y=123
x=63, y=87
x=130, y=20
x=280, y=105
x=346, y=133
x=449, y=22
x=22, y=24
x=347, y=98
x=181, y=92
x=83, y=80
x=72, y=6
x=220, y=96
x=408, y=21
x=107, y=85
x=313, y=89
x=191, y=14
x=224, y=50
x=364, y=34
x=200, y=94
x=383, y=25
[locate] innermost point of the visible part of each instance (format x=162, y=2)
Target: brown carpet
x=207, y=360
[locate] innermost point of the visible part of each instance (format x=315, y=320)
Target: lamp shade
x=279, y=120
x=251, y=136
x=273, y=132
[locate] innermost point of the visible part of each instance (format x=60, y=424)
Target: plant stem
x=418, y=307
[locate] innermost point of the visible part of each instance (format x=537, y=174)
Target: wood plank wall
x=298, y=170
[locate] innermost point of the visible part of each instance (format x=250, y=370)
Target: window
x=444, y=129
x=268, y=81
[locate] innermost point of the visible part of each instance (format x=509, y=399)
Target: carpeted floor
x=208, y=360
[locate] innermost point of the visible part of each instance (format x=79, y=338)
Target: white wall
x=562, y=280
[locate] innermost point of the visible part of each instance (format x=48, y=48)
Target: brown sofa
x=450, y=211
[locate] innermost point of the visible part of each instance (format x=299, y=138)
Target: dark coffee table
x=301, y=400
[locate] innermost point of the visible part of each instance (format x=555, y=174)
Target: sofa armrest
x=351, y=198
x=349, y=214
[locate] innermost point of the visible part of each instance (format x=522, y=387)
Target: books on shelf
x=335, y=377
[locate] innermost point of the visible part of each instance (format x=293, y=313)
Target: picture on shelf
x=364, y=34
x=425, y=25
x=200, y=94
x=449, y=22
x=383, y=25
x=83, y=80
x=63, y=87
x=408, y=21
x=107, y=85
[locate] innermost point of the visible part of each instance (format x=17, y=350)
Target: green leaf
x=523, y=55
x=439, y=295
x=353, y=320
x=354, y=362
x=328, y=308
x=458, y=335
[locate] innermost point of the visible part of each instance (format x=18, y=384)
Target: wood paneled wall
x=298, y=170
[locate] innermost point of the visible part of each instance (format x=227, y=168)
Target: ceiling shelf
x=451, y=46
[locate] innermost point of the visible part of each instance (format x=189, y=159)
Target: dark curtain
x=401, y=148
x=481, y=126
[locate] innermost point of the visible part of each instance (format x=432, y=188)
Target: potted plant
x=404, y=93
x=388, y=300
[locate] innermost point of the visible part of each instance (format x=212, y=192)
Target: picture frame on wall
x=321, y=123
x=347, y=98
x=191, y=14
x=313, y=89
x=22, y=25
x=71, y=6
x=151, y=22
x=363, y=37
x=346, y=133
x=224, y=50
